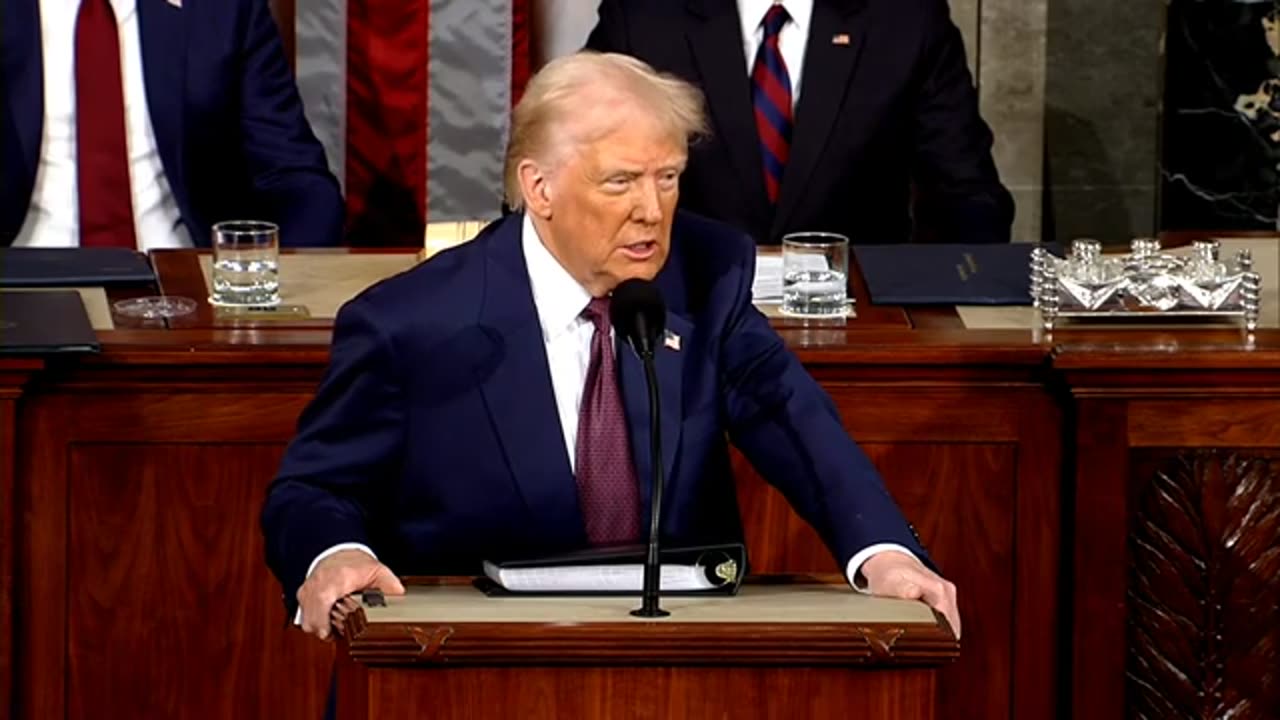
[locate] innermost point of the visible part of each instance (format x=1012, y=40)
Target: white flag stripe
x=469, y=106
x=320, y=28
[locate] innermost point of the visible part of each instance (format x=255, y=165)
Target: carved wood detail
x=1204, y=586
x=603, y=644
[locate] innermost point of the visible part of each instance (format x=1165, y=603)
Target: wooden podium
x=783, y=647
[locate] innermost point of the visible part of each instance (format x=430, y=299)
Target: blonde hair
x=557, y=92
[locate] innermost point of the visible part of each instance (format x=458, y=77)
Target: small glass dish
x=156, y=307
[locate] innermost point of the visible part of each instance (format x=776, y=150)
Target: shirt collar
x=751, y=13
x=558, y=298
x=122, y=9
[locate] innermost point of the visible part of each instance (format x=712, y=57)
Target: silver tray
x=1145, y=283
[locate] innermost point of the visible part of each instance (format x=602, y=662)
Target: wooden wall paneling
x=211, y=638
x=8, y=536
x=144, y=587
x=41, y=613
x=1100, y=536
x=951, y=459
x=686, y=692
x=961, y=498
x=13, y=376
x=1195, y=422
x=1041, y=562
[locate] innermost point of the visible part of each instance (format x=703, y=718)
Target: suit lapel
x=715, y=39
x=828, y=68
x=22, y=75
x=519, y=396
x=669, y=363
x=162, y=31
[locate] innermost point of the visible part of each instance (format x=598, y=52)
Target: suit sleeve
x=610, y=32
x=960, y=188
x=350, y=440
x=290, y=175
x=788, y=428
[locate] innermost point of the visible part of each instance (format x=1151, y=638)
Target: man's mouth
x=640, y=250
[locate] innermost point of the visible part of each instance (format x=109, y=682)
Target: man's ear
x=535, y=186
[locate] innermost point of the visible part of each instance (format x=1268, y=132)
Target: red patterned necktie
x=771, y=96
x=607, y=488
x=102, y=155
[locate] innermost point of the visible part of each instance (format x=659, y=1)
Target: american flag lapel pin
x=671, y=340
x=837, y=39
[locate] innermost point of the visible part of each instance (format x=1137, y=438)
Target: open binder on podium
x=698, y=570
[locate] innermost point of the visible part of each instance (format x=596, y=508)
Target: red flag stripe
x=387, y=53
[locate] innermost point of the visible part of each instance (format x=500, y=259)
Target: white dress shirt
x=791, y=40
x=566, y=335
x=53, y=218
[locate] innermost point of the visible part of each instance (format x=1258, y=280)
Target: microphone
x=639, y=315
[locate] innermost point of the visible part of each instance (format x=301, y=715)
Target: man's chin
x=646, y=270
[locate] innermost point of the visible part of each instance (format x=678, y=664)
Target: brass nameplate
x=266, y=313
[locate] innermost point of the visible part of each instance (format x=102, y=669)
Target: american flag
x=411, y=100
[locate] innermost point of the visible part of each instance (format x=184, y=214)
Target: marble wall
x=1220, y=165
x=1102, y=104
x=1010, y=46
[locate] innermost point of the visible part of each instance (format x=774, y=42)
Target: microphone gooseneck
x=639, y=315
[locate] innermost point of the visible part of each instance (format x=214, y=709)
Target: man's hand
x=897, y=575
x=337, y=576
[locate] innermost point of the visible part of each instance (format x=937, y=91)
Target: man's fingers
x=894, y=575
x=338, y=615
x=386, y=581
x=941, y=596
x=324, y=597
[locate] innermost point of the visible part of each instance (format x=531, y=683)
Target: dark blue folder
x=942, y=274
x=44, y=322
x=68, y=267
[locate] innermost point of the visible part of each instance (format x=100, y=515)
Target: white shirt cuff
x=865, y=554
x=297, y=618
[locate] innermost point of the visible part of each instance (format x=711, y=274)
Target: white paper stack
x=766, y=286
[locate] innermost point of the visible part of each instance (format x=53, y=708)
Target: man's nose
x=648, y=204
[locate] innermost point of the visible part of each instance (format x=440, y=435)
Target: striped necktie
x=771, y=95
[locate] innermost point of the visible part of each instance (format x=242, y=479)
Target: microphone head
x=638, y=314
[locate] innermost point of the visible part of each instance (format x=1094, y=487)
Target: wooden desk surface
x=773, y=620
x=878, y=336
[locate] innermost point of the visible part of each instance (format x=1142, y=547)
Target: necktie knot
x=773, y=21
x=597, y=311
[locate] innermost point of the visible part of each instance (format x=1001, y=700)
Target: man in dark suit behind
x=847, y=116
x=479, y=406
x=141, y=123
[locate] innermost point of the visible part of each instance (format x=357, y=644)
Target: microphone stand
x=652, y=565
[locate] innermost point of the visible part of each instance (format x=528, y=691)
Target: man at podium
x=480, y=405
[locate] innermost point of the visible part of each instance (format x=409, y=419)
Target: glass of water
x=246, y=264
x=815, y=274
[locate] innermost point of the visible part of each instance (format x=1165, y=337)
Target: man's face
x=612, y=202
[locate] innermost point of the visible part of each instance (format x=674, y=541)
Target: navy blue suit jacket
x=434, y=436
x=227, y=117
x=886, y=104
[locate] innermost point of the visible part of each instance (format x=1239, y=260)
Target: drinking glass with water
x=246, y=264
x=815, y=272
